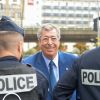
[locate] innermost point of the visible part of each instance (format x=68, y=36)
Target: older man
x=52, y=62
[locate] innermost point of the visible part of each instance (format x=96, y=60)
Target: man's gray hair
x=48, y=27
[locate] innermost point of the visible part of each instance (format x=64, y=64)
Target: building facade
x=64, y=13
x=13, y=9
x=70, y=13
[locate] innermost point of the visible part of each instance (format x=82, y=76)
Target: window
x=56, y=14
x=14, y=0
x=46, y=7
x=78, y=15
x=70, y=22
x=78, y=8
x=71, y=15
x=63, y=15
x=78, y=22
x=71, y=8
x=86, y=8
x=63, y=8
x=94, y=8
x=55, y=22
x=46, y=21
x=63, y=22
x=46, y=14
x=1, y=6
x=56, y=7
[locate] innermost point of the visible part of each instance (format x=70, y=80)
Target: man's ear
x=20, y=47
x=39, y=43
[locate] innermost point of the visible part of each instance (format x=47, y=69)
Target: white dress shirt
x=55, y=68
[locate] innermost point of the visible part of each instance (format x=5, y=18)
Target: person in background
x=17, y=81
x=49, y=41
x=84, y=76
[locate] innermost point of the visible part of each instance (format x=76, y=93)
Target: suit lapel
x=42, y=65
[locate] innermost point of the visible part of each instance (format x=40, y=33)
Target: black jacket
x=83, y=76
x=11, y=66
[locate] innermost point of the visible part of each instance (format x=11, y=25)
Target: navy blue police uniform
x=84, y=76
x=10, y=66
x=19, y=81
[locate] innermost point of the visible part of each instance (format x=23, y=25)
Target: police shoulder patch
x=17, y=83
x=90, y=77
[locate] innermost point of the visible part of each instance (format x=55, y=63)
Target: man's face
x=49, y=43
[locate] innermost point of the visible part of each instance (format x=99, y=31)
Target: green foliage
x=30, y=51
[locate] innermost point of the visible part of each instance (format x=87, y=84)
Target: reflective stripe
x=11, y=94
x=90, y=77
x=17, y=83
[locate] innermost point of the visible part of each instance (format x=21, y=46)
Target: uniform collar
x=6, y=58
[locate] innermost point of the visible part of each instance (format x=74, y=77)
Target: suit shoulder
x=29, y=59
x=33, y=56
x=66, y=54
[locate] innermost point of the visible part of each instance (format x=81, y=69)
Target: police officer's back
x=17, y=81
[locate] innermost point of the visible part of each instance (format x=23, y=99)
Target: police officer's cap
x=6, y=24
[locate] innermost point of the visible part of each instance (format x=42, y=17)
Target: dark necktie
x=52, y=75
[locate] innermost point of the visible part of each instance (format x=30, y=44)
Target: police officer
x=84, y=76
x=17, y=81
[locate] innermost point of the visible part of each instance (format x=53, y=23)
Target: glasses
x=46, y=39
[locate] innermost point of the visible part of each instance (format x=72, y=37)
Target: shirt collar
x=55, y=60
